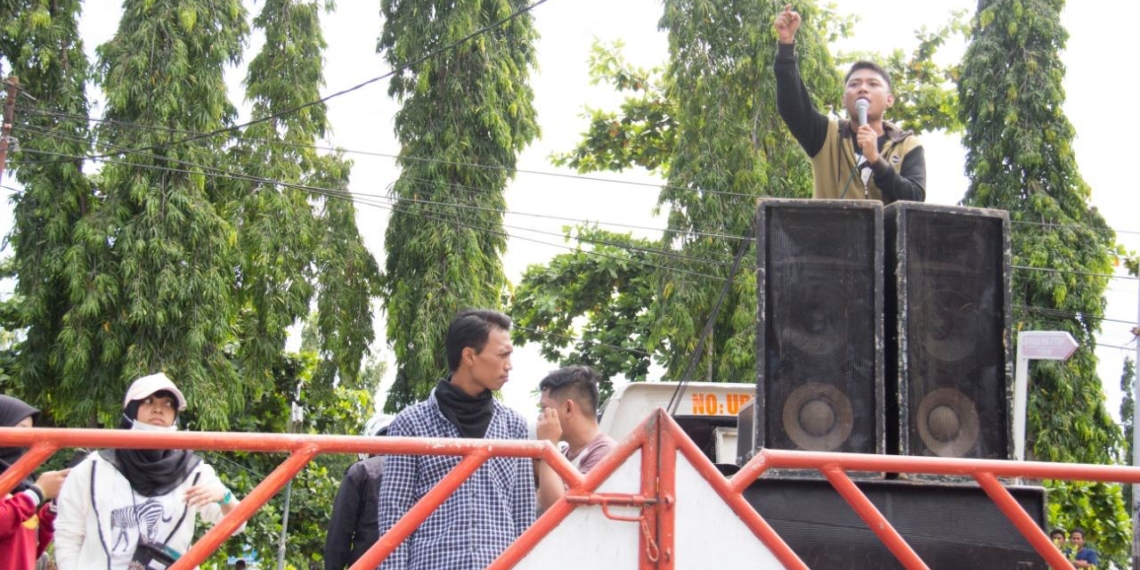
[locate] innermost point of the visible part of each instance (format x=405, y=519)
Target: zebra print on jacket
x=145, y=517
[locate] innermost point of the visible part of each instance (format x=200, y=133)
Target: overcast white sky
x=1101, y=36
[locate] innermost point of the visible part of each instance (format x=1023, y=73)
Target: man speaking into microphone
x=860, y=158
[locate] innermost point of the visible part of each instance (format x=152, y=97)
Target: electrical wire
x=397, y=69
x=353, y=196
x=472, y=189
x=516, y=170
x=336, y=194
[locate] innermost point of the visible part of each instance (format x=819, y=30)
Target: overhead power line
x=327, y=98
x=657, y=186
x=338, y=194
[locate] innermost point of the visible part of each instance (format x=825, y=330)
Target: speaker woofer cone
x=948, y=423
x=818, y=417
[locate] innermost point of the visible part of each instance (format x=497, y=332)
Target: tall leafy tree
x=153, y=287
x=610, y=277
x=465, y=116
x=297, y=230
x=40, y=44
x=1020, y=159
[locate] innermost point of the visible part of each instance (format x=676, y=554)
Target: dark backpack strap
x=178, y=524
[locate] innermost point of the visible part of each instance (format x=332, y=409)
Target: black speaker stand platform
x=951, y=526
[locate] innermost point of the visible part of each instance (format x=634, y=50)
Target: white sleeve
x=211, y=513
x=74, y=506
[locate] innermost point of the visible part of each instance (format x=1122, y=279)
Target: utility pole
x=1136, y=439
x=296, y=417
x=9, y=118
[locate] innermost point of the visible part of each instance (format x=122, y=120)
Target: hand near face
x=868, y=140
x=786, y=24
x=549, y=427
x=51, y=481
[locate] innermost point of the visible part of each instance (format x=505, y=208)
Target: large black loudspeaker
x=820, y=339
x=948, y=331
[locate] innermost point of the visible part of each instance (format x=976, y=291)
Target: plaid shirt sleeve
x=524, y=494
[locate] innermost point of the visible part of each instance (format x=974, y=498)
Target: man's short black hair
x=579, y=383
x=864, y=64
x=1078, y=530
x=1057, y=531
x=470, y=328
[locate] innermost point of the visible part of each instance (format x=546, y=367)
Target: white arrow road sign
x=1034, y=345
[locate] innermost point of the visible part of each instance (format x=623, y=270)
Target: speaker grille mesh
x=820, y=327
x=954, y=322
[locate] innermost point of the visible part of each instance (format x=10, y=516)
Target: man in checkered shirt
x=497, y=503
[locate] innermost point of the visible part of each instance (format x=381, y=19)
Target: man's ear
x=570, y=406
x=467, y=356
x=890, y=100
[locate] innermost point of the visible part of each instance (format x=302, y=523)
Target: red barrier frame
x=660, y=441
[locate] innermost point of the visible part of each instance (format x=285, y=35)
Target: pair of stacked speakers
x=883, y=330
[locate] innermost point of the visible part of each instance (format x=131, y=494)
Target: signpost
x=1034, y=345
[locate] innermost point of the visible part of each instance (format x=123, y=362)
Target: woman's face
x=157, y=410
x=24, y=423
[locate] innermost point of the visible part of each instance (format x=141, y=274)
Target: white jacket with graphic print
x=101, y=519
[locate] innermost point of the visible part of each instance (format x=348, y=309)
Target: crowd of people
x=117, y=508
x=123, y=509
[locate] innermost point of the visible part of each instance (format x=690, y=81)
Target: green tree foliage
x=328, y=409
x=727, y=154
x=152, y=288
x=40, y=44
x=466, y=114
x=641, y=134
x=1020, y=159
x=296, y=243
x=161, y=260
x=708, y=124
x=610, y=282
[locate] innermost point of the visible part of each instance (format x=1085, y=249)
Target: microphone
x=861, y=105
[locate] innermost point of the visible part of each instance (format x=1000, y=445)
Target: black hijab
x=12, y=412
x=151, y=472
x=471, y=414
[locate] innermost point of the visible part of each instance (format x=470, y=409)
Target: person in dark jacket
x=354, y=526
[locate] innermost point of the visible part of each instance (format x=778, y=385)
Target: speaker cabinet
x=951, y=527
x=820, y=335
x=948, y=331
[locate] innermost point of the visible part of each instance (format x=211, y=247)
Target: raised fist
x=786, y=24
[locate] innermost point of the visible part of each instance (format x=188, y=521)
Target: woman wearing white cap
x=136, y=508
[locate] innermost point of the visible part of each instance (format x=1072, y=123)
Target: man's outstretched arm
x=793, y=101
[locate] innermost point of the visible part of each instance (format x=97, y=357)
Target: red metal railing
x=660, y=441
